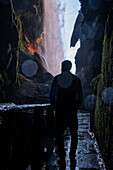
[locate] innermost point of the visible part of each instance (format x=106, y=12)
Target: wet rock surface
x=35, y=82
x=86, y=155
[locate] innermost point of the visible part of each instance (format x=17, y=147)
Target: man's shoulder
x=76, y=77
x=57, y=76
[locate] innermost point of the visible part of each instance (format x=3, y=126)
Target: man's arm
x=53, y=93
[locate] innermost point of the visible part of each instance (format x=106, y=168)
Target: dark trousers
x=62, y=121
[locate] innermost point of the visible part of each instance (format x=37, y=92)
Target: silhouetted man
x=66, y=98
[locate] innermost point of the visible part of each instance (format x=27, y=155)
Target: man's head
x=66, y=65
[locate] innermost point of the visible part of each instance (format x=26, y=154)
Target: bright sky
x=71, y=11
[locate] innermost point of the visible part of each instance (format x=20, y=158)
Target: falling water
x=53, y=42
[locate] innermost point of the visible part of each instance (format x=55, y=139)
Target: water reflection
x=29, y=68
x=107, y=95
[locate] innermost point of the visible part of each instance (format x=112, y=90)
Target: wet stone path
x=86, y=155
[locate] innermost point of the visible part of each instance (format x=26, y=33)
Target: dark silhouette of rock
x=30, y=17
x=8, y=51
x=41, y=61
x=34, y=88
x=33, y=76
x=89, y=29
x=94, y=66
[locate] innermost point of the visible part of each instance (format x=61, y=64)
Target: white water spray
x=54, y=54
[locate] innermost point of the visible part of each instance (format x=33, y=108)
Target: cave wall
x=104, y=106
x=34, y=88
x=94, y=63
x=22, y=48
x=89, y=29
x=30, y=25
x=39, y=30
x=8, y=51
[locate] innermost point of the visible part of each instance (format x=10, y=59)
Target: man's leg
x=74, y=140
x=60, y=142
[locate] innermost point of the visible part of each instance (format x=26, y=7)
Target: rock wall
x=89, y=29
x=94, y=62
x=23, y=70
x=34, y=80
x=30, y=24
x=39, y=30
x=104, y=106
x=8, y=51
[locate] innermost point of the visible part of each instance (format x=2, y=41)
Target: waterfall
x=54, y=53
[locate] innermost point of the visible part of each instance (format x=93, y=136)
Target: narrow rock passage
x=86, y=155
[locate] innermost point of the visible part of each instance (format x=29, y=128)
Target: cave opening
x=66, y=12
x=72, y=9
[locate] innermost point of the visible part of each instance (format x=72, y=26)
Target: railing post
x=8, y=128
